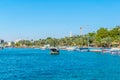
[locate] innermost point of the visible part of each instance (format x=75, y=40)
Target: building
x=9, y=44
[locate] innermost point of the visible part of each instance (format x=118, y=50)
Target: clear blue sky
x=35, y=19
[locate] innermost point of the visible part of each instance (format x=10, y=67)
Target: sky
x=35, y=19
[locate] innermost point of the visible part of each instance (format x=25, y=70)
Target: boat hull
x=115, y=51
x=95, y=49
x=54, y=53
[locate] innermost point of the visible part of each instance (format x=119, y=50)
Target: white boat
x=36, y=48
x=62, y=47
x=94, y=49
x=106, y=50
x=115, y=51
x=84, y=49
x=43, y=48
x=71, y=48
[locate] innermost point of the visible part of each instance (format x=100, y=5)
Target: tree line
x=103, y=37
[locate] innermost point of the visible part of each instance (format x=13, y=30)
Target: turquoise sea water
x=33, y=64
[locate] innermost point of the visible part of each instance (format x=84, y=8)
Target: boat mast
x=88, y=40
x=81, y=35
x=81, y=31
x=54, y=42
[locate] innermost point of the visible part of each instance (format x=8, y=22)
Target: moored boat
x=94, y=49
x=106, y=50
x=115, y=51
x=84, y=49
x=54, y=51
x=71, y=48
x=43, y=48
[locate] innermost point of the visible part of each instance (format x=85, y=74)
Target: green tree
x=106, y=41
x=118, y=40
x=12, y=44
x=115, y=32
x=101, y=33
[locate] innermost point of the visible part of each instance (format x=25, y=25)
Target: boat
x=115, y=50
x=62, y=47
x=84, y=50
x=54, y=51
x=43, y=48
x=36, y=48
x=94, y=49
x=106, y=50
x=71, y=48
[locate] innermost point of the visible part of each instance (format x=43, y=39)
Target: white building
x=9, y=44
